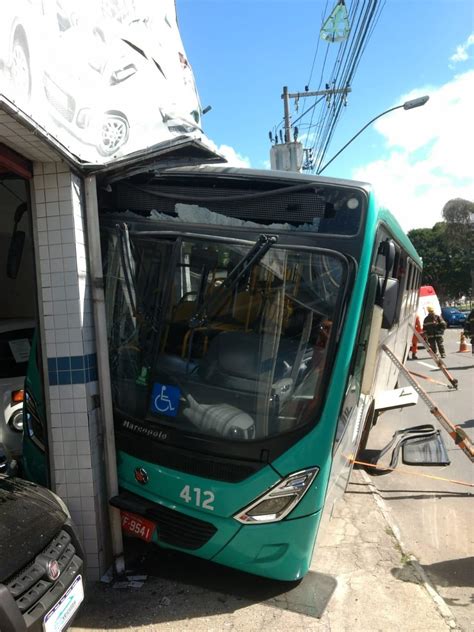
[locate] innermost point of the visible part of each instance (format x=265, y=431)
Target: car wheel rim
x=114, y=135
x=20, y=72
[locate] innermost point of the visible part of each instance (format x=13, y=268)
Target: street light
x=408, y=105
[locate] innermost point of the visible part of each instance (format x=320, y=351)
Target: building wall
x=69, y=355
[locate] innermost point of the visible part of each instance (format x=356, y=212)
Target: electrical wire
x=308, y=83
x=347, y=76
x=324, y=113
x=339, y=64
x=340, y=78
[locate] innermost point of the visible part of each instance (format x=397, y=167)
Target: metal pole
x=457, y=434
x=97, y=282
x=286, y=106
x=319, y=93
x=434, y=357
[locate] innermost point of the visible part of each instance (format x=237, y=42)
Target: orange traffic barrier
x=462, y=344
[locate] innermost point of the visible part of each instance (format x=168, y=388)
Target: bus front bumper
x=279, y=550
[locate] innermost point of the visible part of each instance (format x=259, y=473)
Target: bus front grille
x=180, y=530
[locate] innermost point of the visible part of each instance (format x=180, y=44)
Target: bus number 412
x=201, y=498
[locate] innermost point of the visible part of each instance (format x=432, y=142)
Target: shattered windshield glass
x=310, y=207
x=251, y=368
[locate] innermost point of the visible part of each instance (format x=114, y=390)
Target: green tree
x=459, y=216
x=458, y=211
x=445, y=266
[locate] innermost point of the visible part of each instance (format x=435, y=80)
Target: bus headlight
x=277, y=503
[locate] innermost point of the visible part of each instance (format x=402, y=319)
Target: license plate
x=60, y=615
x=137, y=526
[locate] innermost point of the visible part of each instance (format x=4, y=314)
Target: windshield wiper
x=212, y=305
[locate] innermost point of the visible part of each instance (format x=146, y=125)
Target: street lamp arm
x=408, y=105
x=356, y=135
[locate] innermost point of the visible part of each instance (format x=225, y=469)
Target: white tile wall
x=77, y=471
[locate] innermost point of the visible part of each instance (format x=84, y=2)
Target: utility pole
x=288, y=156
x=286, y=108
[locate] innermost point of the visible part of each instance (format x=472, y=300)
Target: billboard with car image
x=104, y=77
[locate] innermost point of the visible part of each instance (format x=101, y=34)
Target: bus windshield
x=224, y=338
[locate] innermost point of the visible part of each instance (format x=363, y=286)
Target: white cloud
x=461, y=53
x=234, y=159
x=430, y=154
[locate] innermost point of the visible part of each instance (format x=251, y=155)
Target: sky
x=244, y=51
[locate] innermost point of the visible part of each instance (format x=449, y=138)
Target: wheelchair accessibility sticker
x=165, y=399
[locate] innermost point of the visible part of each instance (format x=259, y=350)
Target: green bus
x=246, y=311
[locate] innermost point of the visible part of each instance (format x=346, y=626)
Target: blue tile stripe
x=72, y=369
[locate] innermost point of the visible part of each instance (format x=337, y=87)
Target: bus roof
x=264, y=174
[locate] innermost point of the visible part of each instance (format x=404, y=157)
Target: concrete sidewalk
x=360, y=580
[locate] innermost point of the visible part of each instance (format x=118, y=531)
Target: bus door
x=355, y=408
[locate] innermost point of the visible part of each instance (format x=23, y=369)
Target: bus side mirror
x=428, y=450
x=387, y=249
x=419, y=445
x=387, y=290
x=15, y=252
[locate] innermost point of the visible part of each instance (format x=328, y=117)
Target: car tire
x=114, y=132
x=20, y=71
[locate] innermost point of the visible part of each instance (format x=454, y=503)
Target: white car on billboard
x=108, y=92
x=16, y=55
x=104, y=78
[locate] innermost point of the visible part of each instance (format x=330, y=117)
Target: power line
x=320, y=119
x=316, y=53
x=357, y=47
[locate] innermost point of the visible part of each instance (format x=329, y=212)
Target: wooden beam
x=15, y=163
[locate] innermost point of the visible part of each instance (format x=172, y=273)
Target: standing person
x=434, y=327
x=469, y=328
x=414, y=340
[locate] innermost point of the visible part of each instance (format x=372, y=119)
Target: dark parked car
x=41, y=560
x=453, y=316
